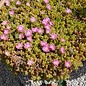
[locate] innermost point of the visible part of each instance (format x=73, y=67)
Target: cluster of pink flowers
x=67, y=64
x=28, y=33
x=11, y=12
x=46, y=48
x=47, y=24
x=27, y=45
x=38, y=30
x=47, y=4
x=6, y=31
x=18, y=2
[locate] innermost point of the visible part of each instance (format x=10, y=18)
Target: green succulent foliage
x=70, y=26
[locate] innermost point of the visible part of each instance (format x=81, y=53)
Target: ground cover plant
x=43, y=38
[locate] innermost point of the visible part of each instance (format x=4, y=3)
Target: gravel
x=77, y=82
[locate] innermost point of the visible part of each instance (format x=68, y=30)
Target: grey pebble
x=80, y=81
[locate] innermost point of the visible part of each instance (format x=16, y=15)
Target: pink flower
x=63, y=40
x=19, y=46
x=53, y=36
x=40, y=31
x=56, y=62
x=48, y=7
x=28, y=33
x=46, y=21
x=4, y=23
x=29, y=38
x=27, y=45
x=52, y=47
x=42, y=12
x=18, y=2
x=4, y=37
x=21, y=36
x=28, y=4
x=7, y=2
x=47, y=26
x=46, y=48
x=48, y=31
x=62, y=50
x=68, y=10
x=34, y=29
x=11, y=12
x=46, y=1
x=32, y=19
x=67, y=64
x=43, y=43
x=6, y=31
x=30, y=62
x=20, y=28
